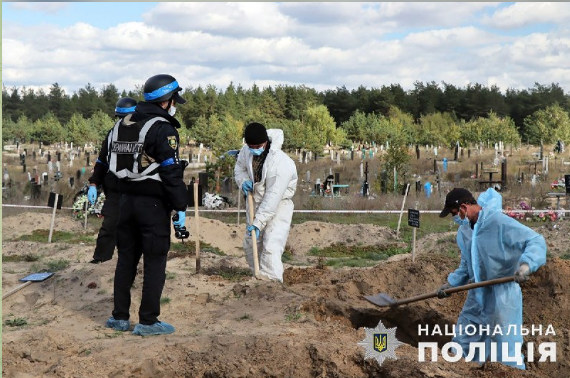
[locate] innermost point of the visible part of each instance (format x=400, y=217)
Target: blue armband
x=100, y=162
x=167, y=162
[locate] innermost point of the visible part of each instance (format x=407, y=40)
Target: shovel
x=253, y=235
x=34, y=277
x=384, y=300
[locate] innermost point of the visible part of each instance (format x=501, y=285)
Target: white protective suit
x=495, y=248
x=272, y=197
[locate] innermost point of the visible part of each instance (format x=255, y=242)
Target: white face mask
x=172, y=110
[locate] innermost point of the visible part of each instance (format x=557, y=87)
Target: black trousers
x=107, y=238
x=143, y=230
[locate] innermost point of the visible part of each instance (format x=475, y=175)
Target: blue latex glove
x=181, y=219
x=92, y=194
x=247, y=186
x=251, y=228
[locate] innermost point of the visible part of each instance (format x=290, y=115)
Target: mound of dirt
x=227, y=237
x=311, y=234
x=23, y=224
x=333, y=296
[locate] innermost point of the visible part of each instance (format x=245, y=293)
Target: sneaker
x=158, y=328
x=95, y=261
x=118, y=325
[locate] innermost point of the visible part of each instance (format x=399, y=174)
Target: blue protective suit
x=494, y=248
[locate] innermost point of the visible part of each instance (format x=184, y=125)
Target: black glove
x=441, y=293
x=178, y=221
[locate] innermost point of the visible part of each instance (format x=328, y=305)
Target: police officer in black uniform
x=107, y=238
x=143, y=154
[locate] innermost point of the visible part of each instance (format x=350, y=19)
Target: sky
x=319, y=45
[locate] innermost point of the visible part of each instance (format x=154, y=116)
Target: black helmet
x=125, y=105
x=162, y=87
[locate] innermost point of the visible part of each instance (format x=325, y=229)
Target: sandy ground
x=308, y=327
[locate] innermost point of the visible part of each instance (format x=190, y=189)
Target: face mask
x=172, y=110
x=457, y=219
x=256, y=151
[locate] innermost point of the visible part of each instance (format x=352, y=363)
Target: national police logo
x=380, y=343
x=172, y=142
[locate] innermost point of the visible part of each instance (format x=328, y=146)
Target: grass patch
x=50, y=266
x=16, y=322
x=351, y=263
x=114, y=334
x=19, y=258
x=565, y=256
x=170, y=275
x=356, y=256
x=451, y=252
x=229, y=273
x=367, y=252
x=205, y=247
x=245, y=316
x=188, y=249
x=294, y=316
x=55, y=265
x=164, y=300
x=287, y=256
x=42, y=236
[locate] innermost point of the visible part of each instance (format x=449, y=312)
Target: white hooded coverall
x=272, y=197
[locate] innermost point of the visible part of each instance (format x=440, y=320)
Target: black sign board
x=51, y=200
x=567, y=183
x=414, y=218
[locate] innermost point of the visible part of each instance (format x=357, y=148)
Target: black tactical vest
x=126, y=146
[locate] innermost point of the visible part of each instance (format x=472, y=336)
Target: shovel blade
x=381, y=300
x=37, y=277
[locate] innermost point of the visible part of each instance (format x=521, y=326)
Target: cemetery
x=350, y=238
x=369, y=190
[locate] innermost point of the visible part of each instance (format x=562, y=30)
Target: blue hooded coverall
x=494, y=248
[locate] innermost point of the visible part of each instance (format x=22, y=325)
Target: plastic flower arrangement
x=214, y=202
x=536, y=216
x=79, y=206
x=558, y=185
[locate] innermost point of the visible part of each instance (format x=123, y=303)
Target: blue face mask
x=256, y=151
x=457, y=219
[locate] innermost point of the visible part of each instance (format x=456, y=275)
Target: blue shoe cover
x=158, y=328
x=118, y=325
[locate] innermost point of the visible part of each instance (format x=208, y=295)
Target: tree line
x=430, y=113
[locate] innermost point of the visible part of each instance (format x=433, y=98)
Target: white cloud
x=228, y=19
x=42, y=7
x=287, y=43
x=324, y=13
x=429, y=14
x=524, y=14
x=466, y=37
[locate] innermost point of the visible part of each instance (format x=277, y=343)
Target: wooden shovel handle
x=253, y=235
x=197, y=218
x=13, y=291
x=455, y=290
